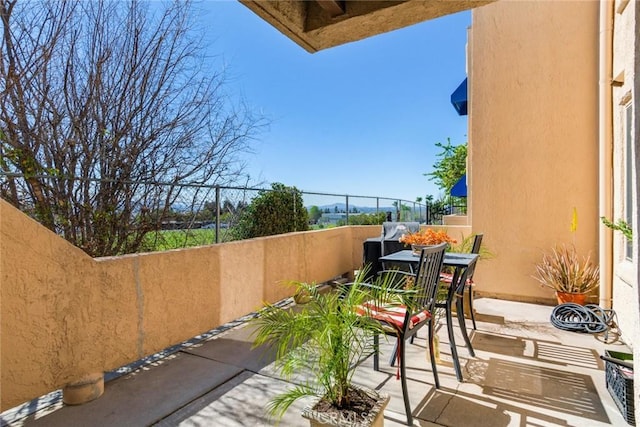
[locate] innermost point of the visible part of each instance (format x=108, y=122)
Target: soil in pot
x=362, y=410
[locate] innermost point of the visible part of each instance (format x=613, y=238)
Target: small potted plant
x=323, y=341
x=569, y=275
x=426, y=237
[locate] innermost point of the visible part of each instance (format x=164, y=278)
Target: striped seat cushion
x=391, y=314
x=448, y=277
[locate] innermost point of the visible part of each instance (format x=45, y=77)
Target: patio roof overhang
x=321, y=24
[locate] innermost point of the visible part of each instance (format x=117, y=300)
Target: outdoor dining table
x=460, y=262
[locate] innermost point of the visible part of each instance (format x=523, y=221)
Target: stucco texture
x=48, y=322
x=533, y=137
x=625, y=277
x=66, y=315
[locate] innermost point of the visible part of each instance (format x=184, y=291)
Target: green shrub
x=366, y=219
x=276, y=211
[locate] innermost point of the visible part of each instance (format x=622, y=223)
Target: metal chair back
x=475, y=249
x=427, y=278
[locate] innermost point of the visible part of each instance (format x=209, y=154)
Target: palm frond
x=325, y=338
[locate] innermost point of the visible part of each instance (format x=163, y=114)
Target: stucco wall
x=533, y=136
x=625, y=284
x=47, y=318
x=65, y=314
x=626, y=68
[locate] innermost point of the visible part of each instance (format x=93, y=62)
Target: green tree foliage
x=404, y=212
x=365, y=219
x=276, y=211
x=314, y=214
x=451, y=165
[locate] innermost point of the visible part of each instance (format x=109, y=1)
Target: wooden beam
x=334, y=7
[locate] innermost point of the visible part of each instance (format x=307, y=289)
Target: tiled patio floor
x=525, y=373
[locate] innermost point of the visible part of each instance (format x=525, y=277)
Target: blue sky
x=361, y=118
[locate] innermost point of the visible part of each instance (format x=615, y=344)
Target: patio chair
x=469, y=284
x=403, y=321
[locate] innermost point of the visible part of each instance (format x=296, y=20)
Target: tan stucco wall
x=455, y=220
x=626, y=66
x=532, y=136
x=65, y=314
x=625, y=284
x=45, y=315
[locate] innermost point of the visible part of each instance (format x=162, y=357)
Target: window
x=628, y=197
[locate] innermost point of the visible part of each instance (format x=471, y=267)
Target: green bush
x=276, y=211
x=366, y=219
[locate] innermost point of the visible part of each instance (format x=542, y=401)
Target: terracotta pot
x=577, y=298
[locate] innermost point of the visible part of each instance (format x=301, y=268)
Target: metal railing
x=187, y=207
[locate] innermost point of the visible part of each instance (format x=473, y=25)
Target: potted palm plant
x=323, y=341
x=571, y=276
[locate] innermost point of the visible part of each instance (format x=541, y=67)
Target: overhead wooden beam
x=334, y=7
x=314, y=27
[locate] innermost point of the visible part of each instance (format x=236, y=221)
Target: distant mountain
x=361, y=209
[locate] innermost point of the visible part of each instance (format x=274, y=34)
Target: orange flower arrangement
x=426, y=237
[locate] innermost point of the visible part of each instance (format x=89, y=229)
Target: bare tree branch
x=115, y=92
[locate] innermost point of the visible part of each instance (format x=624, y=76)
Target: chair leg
x=452, y=341
x=376, y=349
x=394, y=355
x=432, y=354
x=403, y=377
x=473, y=316
x=463, y=326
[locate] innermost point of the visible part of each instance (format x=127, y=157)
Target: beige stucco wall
x=41, y=288
x=65, y=314
x=625, y=284
x=533, y=136
x=626, y=65
x=455, y=220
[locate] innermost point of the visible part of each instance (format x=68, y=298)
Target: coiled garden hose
x=590, y=318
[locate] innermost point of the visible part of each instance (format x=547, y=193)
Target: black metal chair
x=469, y=284
x=403, y=321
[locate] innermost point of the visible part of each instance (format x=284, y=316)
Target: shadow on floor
x=540, y=350
x=554, y=389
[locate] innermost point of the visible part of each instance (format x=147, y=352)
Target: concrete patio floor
x=525, y=373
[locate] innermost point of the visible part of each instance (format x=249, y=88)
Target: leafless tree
x=107, y=97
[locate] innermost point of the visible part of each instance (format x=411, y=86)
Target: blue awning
x=459, y=189
x=459, y=98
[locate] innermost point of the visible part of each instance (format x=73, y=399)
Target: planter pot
x=375, y=418
x=577, y=298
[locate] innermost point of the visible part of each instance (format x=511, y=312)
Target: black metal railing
x=189, y=207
